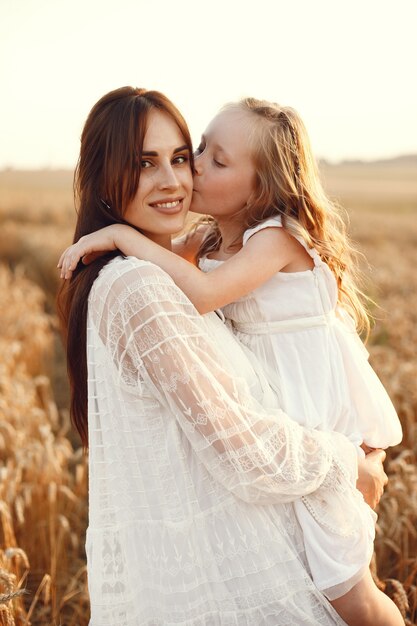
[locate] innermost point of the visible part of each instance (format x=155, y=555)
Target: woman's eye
x=145, y=164
x=179, y=160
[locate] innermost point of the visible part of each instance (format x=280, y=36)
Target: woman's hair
x=105, y=182
x=288, y=184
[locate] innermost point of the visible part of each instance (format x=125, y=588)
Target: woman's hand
x=88, y=248
x=366, y=448
x=372, y=477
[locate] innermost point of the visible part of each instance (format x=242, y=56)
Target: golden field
x=43, y=478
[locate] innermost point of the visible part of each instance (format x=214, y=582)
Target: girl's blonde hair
x=288, y=184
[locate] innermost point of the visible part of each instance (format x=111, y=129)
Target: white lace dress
x=191, y=479
x=319, y=369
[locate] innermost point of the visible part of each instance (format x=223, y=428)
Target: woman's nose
x=168, y=179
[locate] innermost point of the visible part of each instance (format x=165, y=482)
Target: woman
x=193, y=467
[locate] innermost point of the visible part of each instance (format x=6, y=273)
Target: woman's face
x=224, y=170
x=163, y=196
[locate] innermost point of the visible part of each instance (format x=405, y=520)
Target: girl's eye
x=218, y=164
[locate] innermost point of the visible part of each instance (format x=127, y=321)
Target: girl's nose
x=198, y=162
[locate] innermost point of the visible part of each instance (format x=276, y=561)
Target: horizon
x=410, y=158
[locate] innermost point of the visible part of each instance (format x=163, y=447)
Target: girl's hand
x=87, y=248
x=372, y=477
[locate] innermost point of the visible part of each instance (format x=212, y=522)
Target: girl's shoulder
x=271, y=222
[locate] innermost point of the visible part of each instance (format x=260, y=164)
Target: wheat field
x=43, y=486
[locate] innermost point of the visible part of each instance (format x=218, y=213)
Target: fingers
x=383, y=455
x=378, y=454
x=68, y=261
x=372, y=477
x=70, y=258
x=68, y=266
x=62, y=258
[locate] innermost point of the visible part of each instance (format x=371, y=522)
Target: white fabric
x=284, y=326
x=319, y=367
x=190, y=479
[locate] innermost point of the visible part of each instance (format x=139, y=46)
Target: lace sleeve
x=157, y=339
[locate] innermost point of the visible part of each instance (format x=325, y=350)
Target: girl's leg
x=366, y=605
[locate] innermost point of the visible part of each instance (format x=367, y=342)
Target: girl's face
x=164, y=192
x=224, y=170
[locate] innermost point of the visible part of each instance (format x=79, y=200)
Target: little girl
x=276, y=260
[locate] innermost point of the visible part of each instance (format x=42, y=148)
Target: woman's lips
x=169, y=207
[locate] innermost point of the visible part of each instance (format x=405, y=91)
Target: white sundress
x=319, y=368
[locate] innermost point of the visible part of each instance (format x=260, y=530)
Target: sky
x=347, y=66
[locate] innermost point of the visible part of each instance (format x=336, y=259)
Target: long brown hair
x=288, y=184
x=105, y=182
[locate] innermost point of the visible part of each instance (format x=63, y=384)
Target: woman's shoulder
x=128, y=288
x=122, y=267
x=125, y=275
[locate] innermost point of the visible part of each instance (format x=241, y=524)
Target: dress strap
x=311, y=251
x=276, y=222
x=285, y=326
x=272, y=222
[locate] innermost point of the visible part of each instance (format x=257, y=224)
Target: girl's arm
x=267, y=252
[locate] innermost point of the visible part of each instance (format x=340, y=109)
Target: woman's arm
x=154, y=334
x=266, y=253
